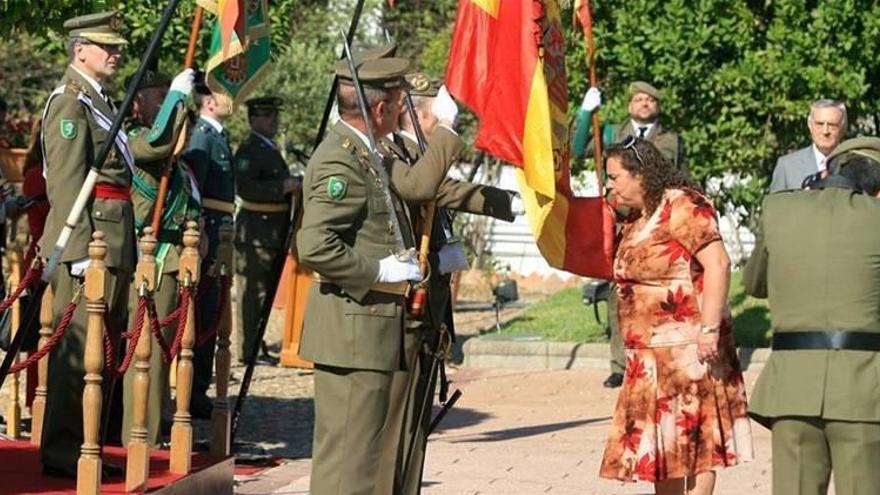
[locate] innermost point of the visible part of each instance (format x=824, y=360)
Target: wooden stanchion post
x=39, y=407
x=181, y=430
x=137, y=470
x=220, y=415
x=13, y=409
x=88, y=479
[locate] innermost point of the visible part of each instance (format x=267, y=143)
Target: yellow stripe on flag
x=209, y=5
x=547, y=218
x=490, y=6
x=538, y=162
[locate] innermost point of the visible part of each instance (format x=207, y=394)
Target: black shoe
x=112, y=471
x=614, y=380
x=200, y=407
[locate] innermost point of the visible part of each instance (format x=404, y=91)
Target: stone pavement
x=525, y=432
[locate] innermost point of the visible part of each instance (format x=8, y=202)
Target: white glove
x=393, y=270
x=517, y=207
x=444, y=107
x=452, y=258
x=183, y=82
x=592, y=99
x=78, y=267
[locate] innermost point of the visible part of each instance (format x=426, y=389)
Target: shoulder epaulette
x=74, y=87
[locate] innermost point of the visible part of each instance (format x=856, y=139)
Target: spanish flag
x=507, y=63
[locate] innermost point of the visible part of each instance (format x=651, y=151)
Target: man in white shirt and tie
x=827, y=123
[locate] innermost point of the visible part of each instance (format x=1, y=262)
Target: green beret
x=103, y=27
x=375, y=52
x=151, y=79
x=264, y=103
x=643, y=87
x=421, y=85
x=383, y=73
x=851, y=148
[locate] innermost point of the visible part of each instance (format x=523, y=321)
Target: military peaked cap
x=643, y=87
x=264, y=103
x=383, y=73
x=375, y=52
x=421, y=85
x=861, y=146
x=103, y=27
x=151, y=79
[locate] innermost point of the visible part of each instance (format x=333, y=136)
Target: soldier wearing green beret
x=817, y=260
x=76, y=120
x=263, y=188
x=644, y=113
x=210, y=157
x=158, y=118
x=446, y=255
x=354, y=226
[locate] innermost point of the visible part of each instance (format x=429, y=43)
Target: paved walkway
x=531, y=432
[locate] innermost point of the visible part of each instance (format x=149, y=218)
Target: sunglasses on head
x=629, y=143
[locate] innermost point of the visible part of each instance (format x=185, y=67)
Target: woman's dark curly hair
x=643, y=160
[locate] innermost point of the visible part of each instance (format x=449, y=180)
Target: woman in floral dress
x=681, y=413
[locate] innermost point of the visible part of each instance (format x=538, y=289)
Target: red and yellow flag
x=507, y=63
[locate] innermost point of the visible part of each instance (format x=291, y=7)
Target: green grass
x=563, y=317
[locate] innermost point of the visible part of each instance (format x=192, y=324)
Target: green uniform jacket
x=817, y=258
x=343, y=237
x=210, y=158
x=149, y=157
x=71, y=139
x=260, y=172
x=670, y=144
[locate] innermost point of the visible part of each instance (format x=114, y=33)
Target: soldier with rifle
x=426, y=332
x=357, y=237
x=76, y=121
x=158, y=117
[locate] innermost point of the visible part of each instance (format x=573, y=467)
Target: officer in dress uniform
x=76, y=121
x=210, y=159
x=263, y=188
x=159, y=114
x=354, y=227
x=817, y=260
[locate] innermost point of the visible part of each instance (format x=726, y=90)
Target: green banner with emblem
x=237, y=75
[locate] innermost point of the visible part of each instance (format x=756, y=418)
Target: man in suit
x=643, y=122
x=210, y=157
x=355, y=232
x=263, y=186
x=446, y=255
x=77, y=118
x=158, y=117
x=827, y=124
x=817, y=259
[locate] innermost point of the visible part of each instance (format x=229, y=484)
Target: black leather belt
x=824, y=339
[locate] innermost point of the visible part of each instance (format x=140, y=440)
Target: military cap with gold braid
x=383, y=73
x=375, y=52
x=264, y=103
x=151, y=79
x=643, y=87
x=861, y=146
x=421, y=85
x=103, y=28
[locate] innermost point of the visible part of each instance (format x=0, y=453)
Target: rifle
x=85, y=193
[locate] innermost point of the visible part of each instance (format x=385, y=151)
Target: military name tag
x=68, y=128
x=336, y=188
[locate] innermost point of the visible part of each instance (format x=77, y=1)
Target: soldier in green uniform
x=210, y=159
x=263, y=188
x=643, y=122
x=446, y=255
x=817, y=259
x=76, y=121
x=158, y=117
x=354, y=225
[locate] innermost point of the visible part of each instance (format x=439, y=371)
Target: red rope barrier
x=225, y=285
x=185, y=301
x=34, y=273
x=53, y=341
x=133, y=336
x=156, y=330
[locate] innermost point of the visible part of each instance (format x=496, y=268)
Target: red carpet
x=21, y=472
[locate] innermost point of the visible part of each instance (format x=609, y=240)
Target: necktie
x=107, y=100
x=643, y=131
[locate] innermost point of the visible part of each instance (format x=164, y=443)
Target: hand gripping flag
x=507, y=63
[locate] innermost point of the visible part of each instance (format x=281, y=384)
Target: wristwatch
x=707, y=329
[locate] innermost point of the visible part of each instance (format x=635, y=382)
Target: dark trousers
x=254, y=265
x=207, y=308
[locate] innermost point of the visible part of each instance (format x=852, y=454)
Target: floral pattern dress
x=675, y=417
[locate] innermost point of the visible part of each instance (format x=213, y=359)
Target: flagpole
x=587, y=23
x=162, y=192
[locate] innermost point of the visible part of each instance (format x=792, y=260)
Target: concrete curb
x=499, y=352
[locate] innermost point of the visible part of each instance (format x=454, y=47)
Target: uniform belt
x=395, y=288
x=111, y=191
x=261, y=207
x=219, y=205
x=826, y=339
